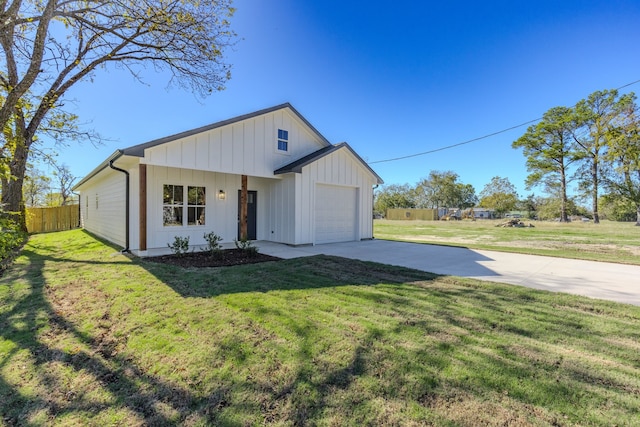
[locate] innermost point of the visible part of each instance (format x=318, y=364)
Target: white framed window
x=196, y=201
x=172, y=205
x=283, y=140
x=178, y=199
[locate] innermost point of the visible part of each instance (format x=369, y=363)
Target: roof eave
x=313, y=157
x=112, y=158
x=296, y=166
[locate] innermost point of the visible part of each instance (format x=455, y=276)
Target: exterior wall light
x=221, y=195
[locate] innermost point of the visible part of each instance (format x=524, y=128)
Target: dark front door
x=252, y=214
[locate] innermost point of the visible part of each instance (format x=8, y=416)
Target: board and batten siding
x=103, y=206
x=282, y=204
x=339, y=168
x=220, y=215
x=248, y=147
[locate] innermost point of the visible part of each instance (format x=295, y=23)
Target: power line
x=458, y=144
x=478, y=138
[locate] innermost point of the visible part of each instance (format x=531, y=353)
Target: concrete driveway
x=615, y=282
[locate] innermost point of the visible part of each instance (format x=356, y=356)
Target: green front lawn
x=91, y=337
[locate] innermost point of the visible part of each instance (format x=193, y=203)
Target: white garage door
x=336, y=213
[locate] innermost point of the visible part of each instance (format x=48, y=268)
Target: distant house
x=483, y=213
x=300, y=188
x=517, y=214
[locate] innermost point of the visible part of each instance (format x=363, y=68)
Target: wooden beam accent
x=243, y=209
x=143, y=207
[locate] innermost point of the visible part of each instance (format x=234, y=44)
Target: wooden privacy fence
x=60, y=218
x=412, y=214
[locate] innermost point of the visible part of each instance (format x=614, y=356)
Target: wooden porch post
x=243, y=208
x=143, y=207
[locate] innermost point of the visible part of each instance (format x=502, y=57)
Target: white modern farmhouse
x=299, y=188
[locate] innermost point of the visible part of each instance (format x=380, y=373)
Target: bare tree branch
x=50, y=45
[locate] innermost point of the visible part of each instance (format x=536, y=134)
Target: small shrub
x=213, y=244
x=180, y=245
x=246, y=246
x=11, y=239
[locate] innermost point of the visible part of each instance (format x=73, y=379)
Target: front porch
x=189, y=203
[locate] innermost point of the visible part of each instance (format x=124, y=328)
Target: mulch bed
x=227, y=258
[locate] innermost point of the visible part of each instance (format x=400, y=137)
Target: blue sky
x=390, y=79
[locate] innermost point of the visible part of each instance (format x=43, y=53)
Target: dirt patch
x=463, y=409
x=225, y=258
x=599, y=248
x=447, y=240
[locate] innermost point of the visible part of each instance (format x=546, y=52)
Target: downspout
x=373, y=204
x=126, y=223
x=79, y=208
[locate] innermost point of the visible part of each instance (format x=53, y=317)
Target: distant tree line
x=499, y=195
x=442, y=189
x=42, y=190
x=595, y=144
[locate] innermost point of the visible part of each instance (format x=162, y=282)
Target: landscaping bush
x=11, y=239
x=213, y=244
x=246, y=246
x=180, y=245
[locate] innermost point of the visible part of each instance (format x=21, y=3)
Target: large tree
x=36, y=186
x=624, y=156
x=64, y=179
x=499, y=194
x=595, y=119
x=547, y=147
x=530, y=205
x=57, y=125
x=47, y=46
x=551, y=208
x=435, y=190
x=466, y=196
x=615, y=208
x=394, y=196
x=442, y=189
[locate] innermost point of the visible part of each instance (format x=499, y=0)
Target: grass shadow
x=319, y=271
x=322, y=340
x=35, y=332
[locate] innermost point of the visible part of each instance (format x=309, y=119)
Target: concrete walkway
x=615, y=282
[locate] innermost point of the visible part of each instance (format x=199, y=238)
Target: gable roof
x=296, y=167
x=138, y=150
